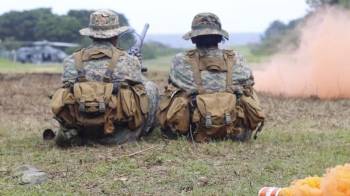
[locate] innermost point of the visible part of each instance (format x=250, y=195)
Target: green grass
x=7, y=66
x=302, y=137
x=162, y=63
x=279, y=156
x=251, y=58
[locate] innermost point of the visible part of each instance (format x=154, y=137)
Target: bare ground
x=302, y=137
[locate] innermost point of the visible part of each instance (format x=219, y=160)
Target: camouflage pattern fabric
x=153, y=99
x=181, y=73
x=206, y=24
x=104, y=24
x=127, y=68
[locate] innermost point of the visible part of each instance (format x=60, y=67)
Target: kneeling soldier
x=210, y=93
x=105, y=96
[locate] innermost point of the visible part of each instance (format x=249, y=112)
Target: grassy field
x=7, y=66
x=160, y=64
x=163, y=63
x=302, y=137
x=251, y=58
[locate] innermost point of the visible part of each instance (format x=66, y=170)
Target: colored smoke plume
x=335, y=182
x=319, y=67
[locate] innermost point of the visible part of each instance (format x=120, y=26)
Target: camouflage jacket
x=127, y=67
x=181, y=73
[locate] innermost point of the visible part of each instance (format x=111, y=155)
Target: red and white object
x=269, y=191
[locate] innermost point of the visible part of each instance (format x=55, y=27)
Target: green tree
x=83, y=16
x=153, y=50
x=22, y=25
x=319, y=3
x=42, y=24
x=278, y=35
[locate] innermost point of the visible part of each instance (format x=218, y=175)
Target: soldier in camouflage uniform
x=104, y=29
x=206, y=34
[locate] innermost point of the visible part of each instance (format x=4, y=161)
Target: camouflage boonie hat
x=104, y=24
x=206, y=24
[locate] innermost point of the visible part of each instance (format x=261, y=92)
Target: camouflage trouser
x=153, y=98
x=73, y=137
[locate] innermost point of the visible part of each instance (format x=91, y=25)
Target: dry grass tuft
x=302, y=137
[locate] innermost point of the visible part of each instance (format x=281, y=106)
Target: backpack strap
x=79, y=66
x=95, y=53
x=111, y=65
x=193, y=58
x=229, y=57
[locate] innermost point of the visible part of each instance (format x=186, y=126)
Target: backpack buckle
x=228, y=119
x=81, y=75
x=82, y=107
x=108, y=76
x=101, y=107
x=208, y=121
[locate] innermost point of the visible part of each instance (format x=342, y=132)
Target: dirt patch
x=287, y=149
x=24, y=95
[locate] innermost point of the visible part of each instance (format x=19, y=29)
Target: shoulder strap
x=112, y=64
x=80, y=56
x=115, y=56
x=79, y=66
x=78, y=59
x=229, y=57
x=193, y=57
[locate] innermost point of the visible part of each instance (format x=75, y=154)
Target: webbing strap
x=194, y=60
x=111, y=65
x=79, y=66
x=115, y=56
x=197, y=73
x=80, y=56
x=229, y=60
x=78, y=59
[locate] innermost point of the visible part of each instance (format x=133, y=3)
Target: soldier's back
x=181, y=72
x=125, y=68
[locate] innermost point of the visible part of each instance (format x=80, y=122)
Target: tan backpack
x=207, y=115
x=93, y=103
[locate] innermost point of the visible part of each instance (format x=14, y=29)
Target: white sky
x=175, y=16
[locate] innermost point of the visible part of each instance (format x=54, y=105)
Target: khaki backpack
x=94, y=103
x=208, y=115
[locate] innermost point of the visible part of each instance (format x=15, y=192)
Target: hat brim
x=206, y=31
x=103, y=34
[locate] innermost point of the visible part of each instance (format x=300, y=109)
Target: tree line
x=42, y=24
x=280, y=34
x=18, y=27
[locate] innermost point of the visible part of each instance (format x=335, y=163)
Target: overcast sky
x=175, y=16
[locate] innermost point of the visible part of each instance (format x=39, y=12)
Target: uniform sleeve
x=181, y=74
x=69, y=71
x=128, y=68
x=137, y=63
x=242, y=74
x=174, y=62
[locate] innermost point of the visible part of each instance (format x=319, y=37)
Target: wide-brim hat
x=104, y=24
x=206, y=24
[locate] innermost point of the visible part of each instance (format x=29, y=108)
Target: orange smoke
x=319, y=67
